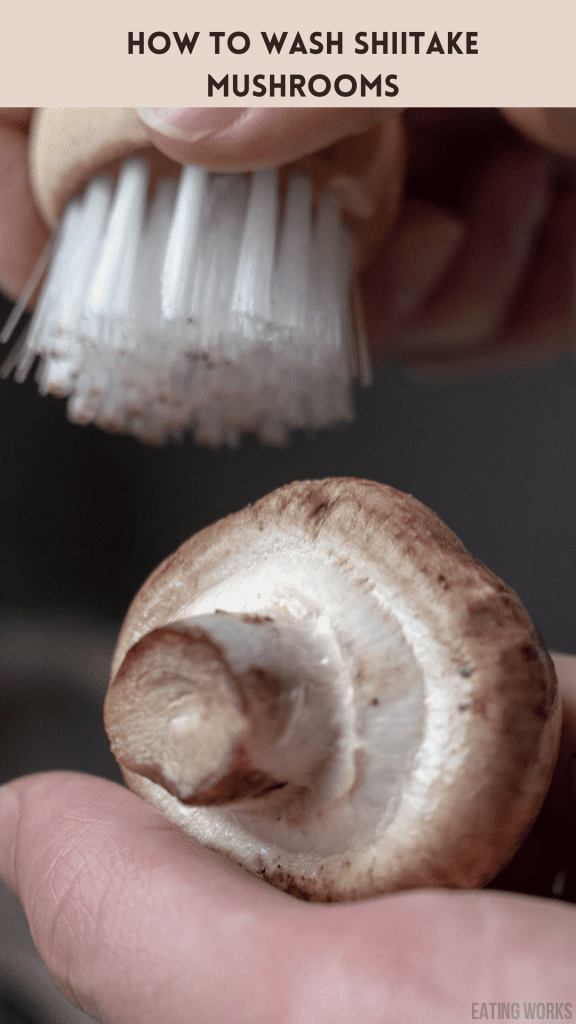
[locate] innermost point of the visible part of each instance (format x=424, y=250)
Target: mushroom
x=329, y=690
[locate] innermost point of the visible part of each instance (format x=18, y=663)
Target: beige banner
x=413, y=53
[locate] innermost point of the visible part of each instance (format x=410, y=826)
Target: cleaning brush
x=216, y=303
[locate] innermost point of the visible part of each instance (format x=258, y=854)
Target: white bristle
x=251, y=296
x=294, y=252
x=183, y=242
x=199, y=308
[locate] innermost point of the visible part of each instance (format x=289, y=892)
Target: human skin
x=477, y=271
x=137, y=924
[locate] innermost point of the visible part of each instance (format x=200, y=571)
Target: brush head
x=214, y=305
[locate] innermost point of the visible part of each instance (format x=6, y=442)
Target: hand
x=478, y=269
x=275, y=140
x=138, y=925
x=478, y=272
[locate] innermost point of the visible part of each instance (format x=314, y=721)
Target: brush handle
x=68, y=144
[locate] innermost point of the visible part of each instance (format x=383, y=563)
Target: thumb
x=137, y=924
x=359, y=152
x=132, y=920
x=249, y=138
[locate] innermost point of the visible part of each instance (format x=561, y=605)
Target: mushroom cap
x=451, y=703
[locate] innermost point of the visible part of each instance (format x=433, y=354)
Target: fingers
x=358, y=152
x=498, y=290
x=508, y=200
x=240, y=139
x=415, y=257
x=137, y=925
x=538, y=322
x=554, y=128
x=22, y=234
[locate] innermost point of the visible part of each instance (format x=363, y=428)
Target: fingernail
x=188, y=124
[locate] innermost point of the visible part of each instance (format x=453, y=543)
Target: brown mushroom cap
x=437, y=736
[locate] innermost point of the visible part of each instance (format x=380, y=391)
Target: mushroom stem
x=227, y=707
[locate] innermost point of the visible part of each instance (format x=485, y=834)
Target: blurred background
x=85, y=516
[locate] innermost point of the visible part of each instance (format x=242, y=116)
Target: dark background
x=85, y=516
